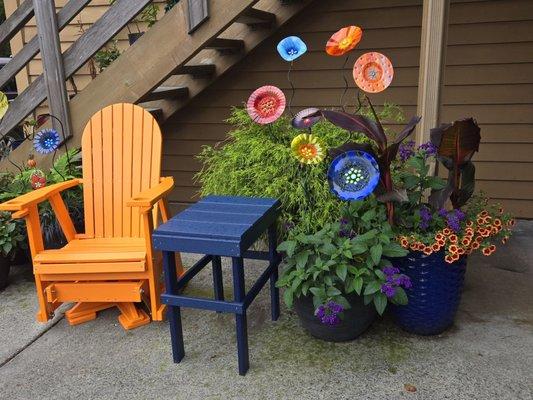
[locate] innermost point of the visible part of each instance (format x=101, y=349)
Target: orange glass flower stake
x=373, y=72
x=340, y=43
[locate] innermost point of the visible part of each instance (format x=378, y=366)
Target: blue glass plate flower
x=291, y=48
x=353, y=175
x=46, y=141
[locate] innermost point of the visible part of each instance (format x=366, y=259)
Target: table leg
x=273, y=256
x=173, y=313
x=241, y=323
x=217, y=278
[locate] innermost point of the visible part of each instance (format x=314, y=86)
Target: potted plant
x=105, y=56
x=338, y=279
x=12, y=238
x=440, y=238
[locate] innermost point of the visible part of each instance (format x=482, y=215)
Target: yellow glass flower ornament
x=307, y=149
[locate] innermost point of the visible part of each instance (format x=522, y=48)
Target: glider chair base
x=130, y=317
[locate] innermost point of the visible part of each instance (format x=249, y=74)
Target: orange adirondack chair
x=112, y=263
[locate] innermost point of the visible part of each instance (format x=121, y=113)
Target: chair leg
x=43, y=314
x=157, y=309
x=84, y=312
x=131, y=317
x=179, y=265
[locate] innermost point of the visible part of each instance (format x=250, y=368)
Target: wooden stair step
x=156, y=112
x=229, y=45
x=166, y=92
x=257, y=18
x=197, y=71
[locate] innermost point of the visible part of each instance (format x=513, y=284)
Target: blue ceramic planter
x=435, y=295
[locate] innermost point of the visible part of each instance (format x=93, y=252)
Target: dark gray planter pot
x=356, y=319
x=5, y=266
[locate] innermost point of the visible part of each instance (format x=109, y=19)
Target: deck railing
x=57, y=66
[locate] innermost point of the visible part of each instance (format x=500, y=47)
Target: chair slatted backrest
x=121, y=150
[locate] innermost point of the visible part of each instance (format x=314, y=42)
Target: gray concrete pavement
x=488, y=354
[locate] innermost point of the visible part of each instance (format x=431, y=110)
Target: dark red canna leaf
x=356, y=123
x=409, y=128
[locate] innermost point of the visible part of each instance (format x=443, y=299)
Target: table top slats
x=218, y=225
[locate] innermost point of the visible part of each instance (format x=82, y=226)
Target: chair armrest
x=38, y=196
x=149, y=197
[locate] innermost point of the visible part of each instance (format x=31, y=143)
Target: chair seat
x=94, y=256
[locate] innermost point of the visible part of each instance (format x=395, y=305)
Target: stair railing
x=57, y=66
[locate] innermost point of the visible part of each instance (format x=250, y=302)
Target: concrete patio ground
x=488, y=354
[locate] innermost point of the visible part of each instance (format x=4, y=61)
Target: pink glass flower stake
x=266, y=104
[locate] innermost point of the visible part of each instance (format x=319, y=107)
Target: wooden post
x=432, y=62
x=53, y=70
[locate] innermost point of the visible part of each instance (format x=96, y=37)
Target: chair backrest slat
x=121, y=150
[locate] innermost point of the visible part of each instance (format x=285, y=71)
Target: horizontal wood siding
x=489, y=75
x=391, y=27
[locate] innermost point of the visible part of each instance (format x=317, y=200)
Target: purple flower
x=388, y=289
x=453, y=222
x=329, y=313
x=429, y=148
x=459, y=214
x=443, y=213
x=344, y=221
x=406, y=150
x=405, y=281
x=425, y=217
x=389, y=271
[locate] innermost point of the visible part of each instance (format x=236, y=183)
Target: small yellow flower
x=307, y=149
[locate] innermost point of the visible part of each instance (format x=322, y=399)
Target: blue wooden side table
x=219, y=226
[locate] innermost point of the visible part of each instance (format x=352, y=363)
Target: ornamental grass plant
x=257, y=160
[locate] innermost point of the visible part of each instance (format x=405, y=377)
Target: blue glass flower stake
x=290, y=49
x=46, y=141
x=353, y=175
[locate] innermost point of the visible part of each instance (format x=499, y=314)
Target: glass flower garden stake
x=344, y=40
x=291, y=48
x=340, y=43
x=353, y=175
x=46, y=141
x=266, y=104
x=373, y=72
x=305, y=119
x=307, y=149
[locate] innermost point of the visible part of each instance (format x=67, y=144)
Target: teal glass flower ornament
x=46, y=141
x=291, y=48
x=353, y=175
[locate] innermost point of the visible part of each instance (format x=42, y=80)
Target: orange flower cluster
x=474, y=235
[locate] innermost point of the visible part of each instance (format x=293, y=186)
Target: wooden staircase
x=174, y=61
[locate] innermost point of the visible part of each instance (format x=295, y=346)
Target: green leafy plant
x=149, y=14
x=456, y=232
x=170, y=4
x=67, y=166
x=343, y=258
x=105, y=56
x=12, y=236
x=256, y=160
